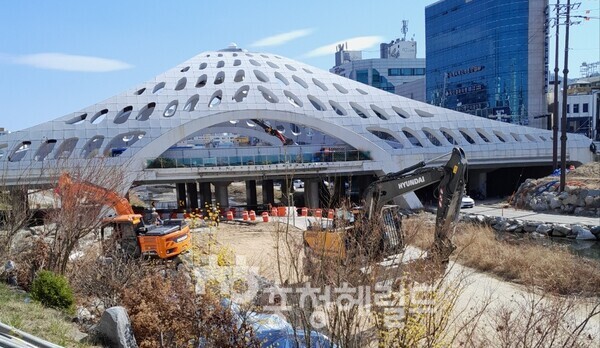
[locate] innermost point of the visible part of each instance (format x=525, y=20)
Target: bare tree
x=81, y=211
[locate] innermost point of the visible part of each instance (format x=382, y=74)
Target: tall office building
x=489, y=58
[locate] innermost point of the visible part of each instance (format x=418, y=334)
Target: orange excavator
x=128, y=229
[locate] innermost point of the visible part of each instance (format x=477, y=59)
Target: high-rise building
x=398, y=64
x=489, y=58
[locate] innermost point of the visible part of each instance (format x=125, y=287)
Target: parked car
x=467, y=202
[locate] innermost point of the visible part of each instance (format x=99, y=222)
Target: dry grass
x=549, y=268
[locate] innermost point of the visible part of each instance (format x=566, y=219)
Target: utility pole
x=563, y=123
x=555, y=111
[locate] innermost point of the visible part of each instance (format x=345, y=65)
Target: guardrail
x=259, y=159
x=11, y=337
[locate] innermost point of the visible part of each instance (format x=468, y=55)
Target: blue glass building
x=489, y=58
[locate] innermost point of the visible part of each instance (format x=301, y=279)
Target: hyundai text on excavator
x=339, y=243
x=132, y=236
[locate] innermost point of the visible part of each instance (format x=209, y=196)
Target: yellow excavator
x=165, y=241
x=337, y=243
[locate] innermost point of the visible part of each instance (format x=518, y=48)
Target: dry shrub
x=166, y=312
x=534, y=320
x=551, y=268
x=102, y=280
x=30, y=261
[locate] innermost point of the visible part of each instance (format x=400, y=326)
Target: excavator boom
x=73, y=190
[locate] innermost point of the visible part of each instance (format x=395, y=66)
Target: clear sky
x=57, y=57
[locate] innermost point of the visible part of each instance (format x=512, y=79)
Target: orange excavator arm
x=70, y=191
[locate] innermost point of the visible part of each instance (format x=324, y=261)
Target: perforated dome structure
x=232, y=85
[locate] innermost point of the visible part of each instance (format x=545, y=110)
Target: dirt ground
x=587, y=175
x=255, y=242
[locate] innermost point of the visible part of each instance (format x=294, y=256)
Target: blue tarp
x=273, y=331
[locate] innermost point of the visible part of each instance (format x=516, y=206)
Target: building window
x=362, y=76
x=406, y=71
x=575, y=108
x=568, y=108
x=376, y=78
x=585, y=107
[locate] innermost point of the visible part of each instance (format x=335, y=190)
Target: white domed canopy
x=219, y=88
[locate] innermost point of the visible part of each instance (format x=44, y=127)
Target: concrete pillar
x=268, y=193
x=205, y=194
x=181, y=196
x=286, y=188
x=477, y=183
x=311, y=193
x=192, y=193
x=251, y=199
x=221, y=194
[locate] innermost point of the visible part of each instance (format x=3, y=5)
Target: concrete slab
x=500, y=209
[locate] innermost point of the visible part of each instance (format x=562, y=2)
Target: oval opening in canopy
x=158, y=87
x=268, y=95
x=171, y=108
x=92, y=147
x=316, y=103
x=77, y=119
x=99, y=116
x=338, y=108
x=123, y=115
x=240, y=75
x=44, y=150
x=181, y=84
x=241, y=93
x=300, y=81
x=261, y=76
x=360, y=111
x=66, y=148
x=145, y=112
x=283, y=81
x=340, y=88
x=190, y=105
x=220, y=78
x=409, y=134
x=215, y=99
x=201, y=81
x=293, y=99
x=320, y=84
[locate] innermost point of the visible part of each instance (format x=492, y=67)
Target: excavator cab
x=134, y=238
x=126, y=230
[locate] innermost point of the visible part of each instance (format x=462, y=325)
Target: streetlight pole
x=563, y=123
x=555, y=111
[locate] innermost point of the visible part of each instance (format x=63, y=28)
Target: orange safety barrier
x=252, y=215
x=274, y=212
x=229, y=215
x=281, y=211
x=330, y=214
x=318, y=213
x=265, y=216
x=245, y=215
x=304, y=211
